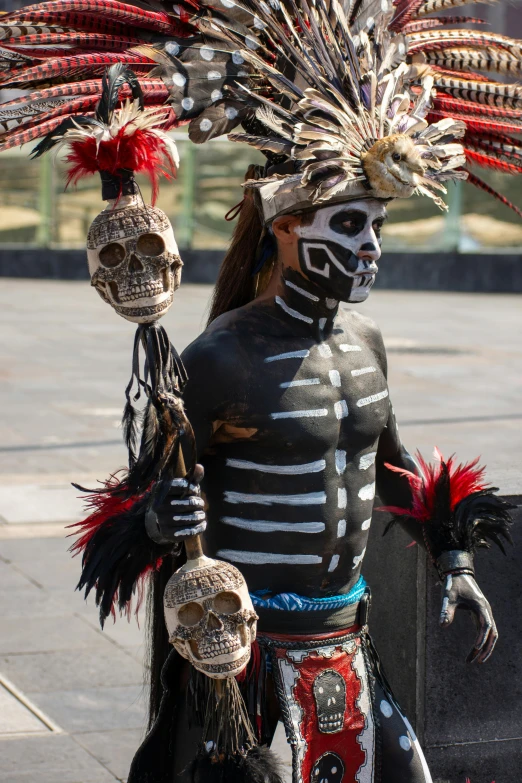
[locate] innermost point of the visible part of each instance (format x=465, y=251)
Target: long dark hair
x=236, y=285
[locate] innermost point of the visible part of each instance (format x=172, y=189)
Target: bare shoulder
x=221, y=344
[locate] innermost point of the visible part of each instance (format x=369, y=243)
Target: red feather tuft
x=464, y=480
x=105, y=505
x=142, y=152
x=488, y=162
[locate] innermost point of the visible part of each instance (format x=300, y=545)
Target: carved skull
x=328, y=769
x=330, y=700
x=210, y=617
x=133, y=259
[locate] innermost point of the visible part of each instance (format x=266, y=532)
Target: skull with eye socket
x=210, y=617
x=133, y=259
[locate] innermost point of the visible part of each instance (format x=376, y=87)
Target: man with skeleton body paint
x=290, y=406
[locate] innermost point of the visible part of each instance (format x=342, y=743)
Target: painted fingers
x=462, y=591
x=181, y=513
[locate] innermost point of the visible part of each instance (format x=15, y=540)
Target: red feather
x=94, y=41
x=158, y=21
x=449, y=104
x=154, y=87
x=141, y=152
x=31, y=133
x=477, y=125
x=78, y=65
x=489, y=162
x=464, y=480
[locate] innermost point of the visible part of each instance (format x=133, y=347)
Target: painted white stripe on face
x=266, y=526
x=335, y=378
x=331, y=303
x=341, y=409
x=284, y=470
x=342, y=498
x=367, y=492
x=303, y=382
x=299, y=414
x=363, y=371
x=358, y=559
x=302, y=291
x=306, y=499
x=366, y=524
x=373, y=398
x=340, y=461
x=265, y=558
x=367, y=460
x=334, y=562
x=366, y=738
x=293, y=313
x=341, y=528
x=289, y=355
x=324, y=350
x=345, y=348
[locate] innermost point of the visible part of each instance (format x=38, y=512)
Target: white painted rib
x=285, y=470
x=340, y=461
x=341, y=409
x=367, y=492
x=342, y=498
x=358, y=559
x=299, y=414
x=293, y=313
x=266, y=526
x=335, y=378
x=265, y=558
x=324, y=350
x=305, y=499
x=302, y=291
x=366, y=524
x=363, y=371
x=341, y=528
x=367, y=460
x=346, y=348
x=372, y=398
x=334, y=562
x=302, y=382
x=289, y=355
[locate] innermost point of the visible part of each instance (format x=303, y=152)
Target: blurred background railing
x=37, y=211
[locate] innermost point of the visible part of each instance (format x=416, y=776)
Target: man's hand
x=461, y=591
x=180, y=514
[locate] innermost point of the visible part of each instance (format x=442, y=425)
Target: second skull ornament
x=210, y=617
x=133, y=259
x=330, y=700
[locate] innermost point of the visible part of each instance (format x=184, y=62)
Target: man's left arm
x=449, y=511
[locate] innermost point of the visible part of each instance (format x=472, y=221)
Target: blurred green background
x=36, y=210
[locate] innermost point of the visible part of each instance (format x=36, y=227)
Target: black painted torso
x=289, y=416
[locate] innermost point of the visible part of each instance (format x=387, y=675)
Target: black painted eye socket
x=396, y=156
x=150, y=245
x=349, y=222
x=112, y=255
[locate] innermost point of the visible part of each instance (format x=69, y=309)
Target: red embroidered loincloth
x=324, y=690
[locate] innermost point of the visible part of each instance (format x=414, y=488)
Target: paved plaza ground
x=71, y=697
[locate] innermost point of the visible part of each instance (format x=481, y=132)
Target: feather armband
x=458, y=512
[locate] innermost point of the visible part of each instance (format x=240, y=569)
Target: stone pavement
x=71, y=697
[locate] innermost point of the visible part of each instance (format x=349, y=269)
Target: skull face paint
x=339, y=249
x=210, y=617
x=134, y=260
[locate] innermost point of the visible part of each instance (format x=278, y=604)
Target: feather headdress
x=367, y=97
